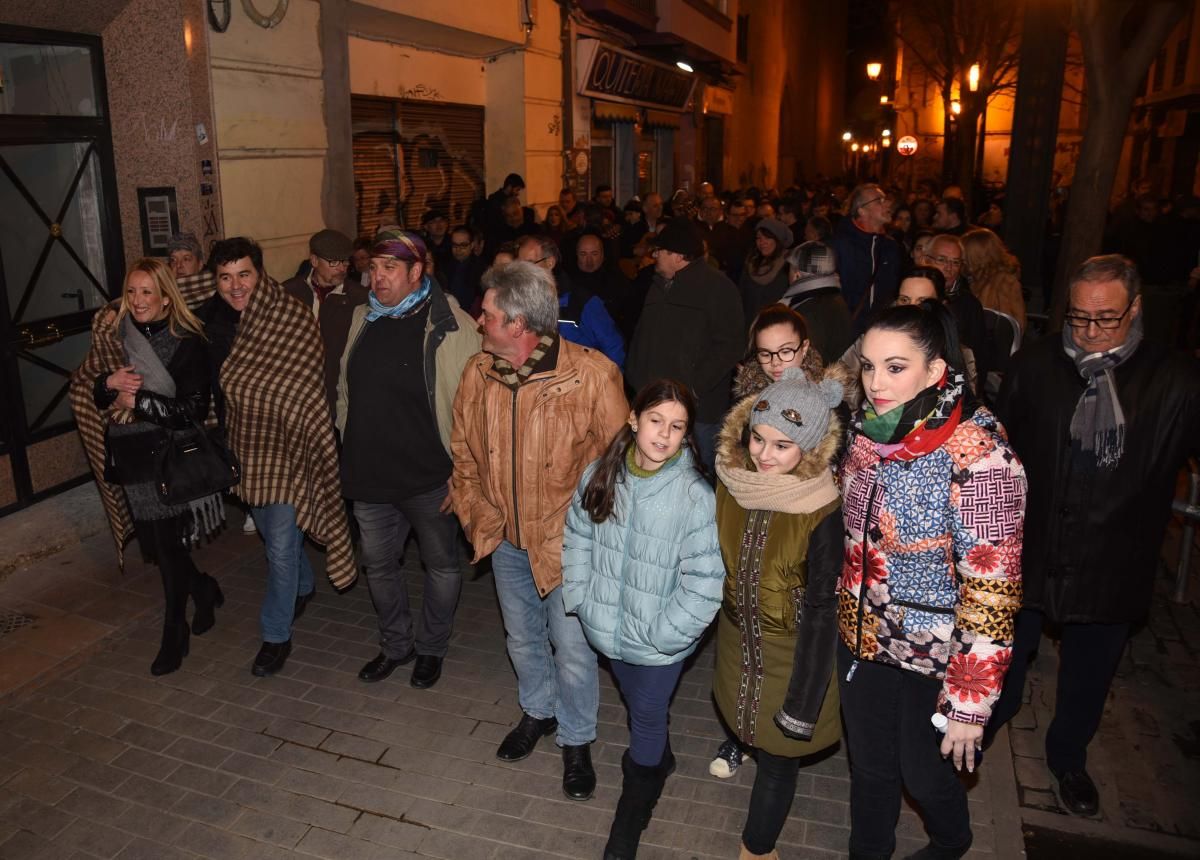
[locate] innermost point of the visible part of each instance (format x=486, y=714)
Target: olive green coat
x=764, y=613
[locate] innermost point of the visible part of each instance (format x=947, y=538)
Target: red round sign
x=907, y=145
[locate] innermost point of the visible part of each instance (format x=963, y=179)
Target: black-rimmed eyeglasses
x=765, y=356
x=1104, y=323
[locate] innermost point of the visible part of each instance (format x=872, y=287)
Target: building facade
x=124, y=121
x=1163, y=142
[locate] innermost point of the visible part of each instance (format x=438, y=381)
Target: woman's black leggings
x=175, y=565
x=770, y=800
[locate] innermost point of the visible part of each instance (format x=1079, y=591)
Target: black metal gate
x=60, y=250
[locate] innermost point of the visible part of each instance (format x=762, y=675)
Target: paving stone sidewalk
x=102, y=760
x=1145, y=758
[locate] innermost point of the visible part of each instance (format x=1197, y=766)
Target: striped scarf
x=1098, y=424
x=515, y=378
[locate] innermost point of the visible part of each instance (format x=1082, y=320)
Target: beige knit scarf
x=784, y=494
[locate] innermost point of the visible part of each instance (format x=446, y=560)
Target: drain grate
x=11, y=620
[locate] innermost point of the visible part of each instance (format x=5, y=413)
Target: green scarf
x=637, y=471
x=930, y=409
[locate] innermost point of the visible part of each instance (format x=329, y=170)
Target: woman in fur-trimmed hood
x=779, y=523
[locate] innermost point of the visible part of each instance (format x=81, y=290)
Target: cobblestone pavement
x=1146, y=757
x=102, y=760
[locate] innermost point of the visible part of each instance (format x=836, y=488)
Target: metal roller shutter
x=375, y=177
x=412, y=156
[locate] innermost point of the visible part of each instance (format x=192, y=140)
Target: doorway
x=60, y=252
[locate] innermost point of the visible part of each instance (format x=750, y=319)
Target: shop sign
x=907, y=145
x=610, y=73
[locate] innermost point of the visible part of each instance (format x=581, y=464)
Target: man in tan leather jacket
x=531, y=412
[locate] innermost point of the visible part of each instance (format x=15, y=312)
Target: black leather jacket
x=1092, y=538
x=131, y=458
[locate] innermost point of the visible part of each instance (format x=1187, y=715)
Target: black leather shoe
x=382, y=666
x=519, y=743
x=1078, y=792
x=579, y=777
x=426, y=672
x=271, y=657
x=302, y=602
x=935, y=852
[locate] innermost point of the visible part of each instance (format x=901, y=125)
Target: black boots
x=173, y=649
x=641, y=787
x=207, y=597
x=175, y=568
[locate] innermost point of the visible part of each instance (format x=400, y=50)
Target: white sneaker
x=248, y=526
x=727, y=761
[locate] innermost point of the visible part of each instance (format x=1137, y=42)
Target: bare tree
x=946, y=38
x=1120, y=39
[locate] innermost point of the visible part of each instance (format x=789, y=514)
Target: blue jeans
x=647, y=691
x=288, y=572
x=562, y=682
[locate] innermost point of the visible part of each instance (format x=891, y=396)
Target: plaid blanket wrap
x=277, y=416
x=278, y=422
x=105, y=355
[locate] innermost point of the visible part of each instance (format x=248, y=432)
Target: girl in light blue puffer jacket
x=642, y=569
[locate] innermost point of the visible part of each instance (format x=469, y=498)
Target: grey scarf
x=140, y=353
x=1099, y=423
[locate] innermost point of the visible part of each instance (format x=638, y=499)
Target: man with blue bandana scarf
x=405, y=353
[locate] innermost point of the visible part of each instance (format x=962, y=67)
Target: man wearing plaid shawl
x=268, y=385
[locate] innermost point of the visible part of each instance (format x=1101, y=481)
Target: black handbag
x=194, y=462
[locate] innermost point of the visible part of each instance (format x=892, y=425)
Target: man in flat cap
x=185, y=255
x=691, y=329
x=331, y=296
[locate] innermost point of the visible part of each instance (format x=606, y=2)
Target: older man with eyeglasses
x=946, y=255
x=868, y=260
x=1103, y=421
x=331, y=296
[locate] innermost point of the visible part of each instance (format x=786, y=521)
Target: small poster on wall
x=159, y=215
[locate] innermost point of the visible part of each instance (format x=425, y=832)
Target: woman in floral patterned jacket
x=933, y=509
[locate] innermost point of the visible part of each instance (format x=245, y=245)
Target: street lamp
x=887, y=132
x=846, y=136
x=883, y=100
x=854, y=147
x=874, y=70
x=956, y=107
x=973, y=78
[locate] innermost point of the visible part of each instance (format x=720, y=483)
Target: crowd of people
x=796, y=416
